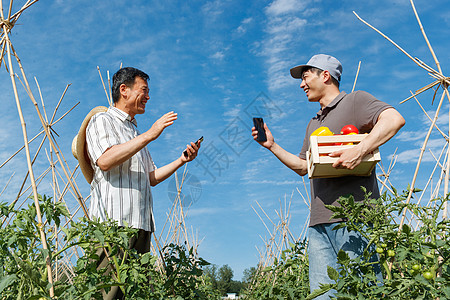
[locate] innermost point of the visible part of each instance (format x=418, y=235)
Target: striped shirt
x=123, y=193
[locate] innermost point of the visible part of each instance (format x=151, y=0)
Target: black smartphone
x=196, y=143
x=259, y=125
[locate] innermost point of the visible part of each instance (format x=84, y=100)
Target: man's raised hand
x=158, y=127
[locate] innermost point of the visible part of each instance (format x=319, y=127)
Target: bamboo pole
x=28, y=172
x=36, y=136
x=425, y=37
x=447, y=171
x=429, y=118
x=47, y=133
x=59, y=102
x=356, y=76
x=30, y=169
x=419, y=161
x=109, y=89
x=104, y=87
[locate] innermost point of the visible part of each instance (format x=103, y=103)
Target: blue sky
x=214, y=63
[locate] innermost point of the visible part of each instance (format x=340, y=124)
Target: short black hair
x=125, y=76
x=319, y=71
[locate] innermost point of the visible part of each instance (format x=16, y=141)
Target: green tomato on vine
x=427, y=275
x=391, y=253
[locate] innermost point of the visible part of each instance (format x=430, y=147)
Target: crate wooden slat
x=320, y=164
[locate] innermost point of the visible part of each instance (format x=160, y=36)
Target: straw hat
x=79, y=150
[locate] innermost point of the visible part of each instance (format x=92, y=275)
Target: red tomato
x=347, y=129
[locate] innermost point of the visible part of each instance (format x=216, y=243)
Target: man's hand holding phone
x=261, y=133
x=191, y=150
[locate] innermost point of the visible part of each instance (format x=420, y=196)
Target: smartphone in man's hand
x=259, y=125
x=196, y=143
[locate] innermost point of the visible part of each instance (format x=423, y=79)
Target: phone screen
x=259, y=125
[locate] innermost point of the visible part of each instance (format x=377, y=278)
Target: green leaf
x=291, y=293
x=7, y=281
x=99, y=235
x=323, y=289
x=146, y=258
x=267, y=269
x=343, y=257
x=332, y=273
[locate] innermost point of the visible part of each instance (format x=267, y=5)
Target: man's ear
x=326, y=76
x=123, y=90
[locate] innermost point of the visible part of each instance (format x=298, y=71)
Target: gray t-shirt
x=362, y=110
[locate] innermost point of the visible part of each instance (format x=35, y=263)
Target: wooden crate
x=320, y=164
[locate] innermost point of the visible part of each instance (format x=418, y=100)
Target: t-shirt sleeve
x=305, y=145
x=367, y=109
x=100, y=136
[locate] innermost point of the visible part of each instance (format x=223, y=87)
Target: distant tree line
x=222, y=279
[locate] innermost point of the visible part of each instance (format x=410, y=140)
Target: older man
x=124, y=170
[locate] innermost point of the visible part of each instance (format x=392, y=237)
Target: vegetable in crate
x=323, y=131
x=348, y=129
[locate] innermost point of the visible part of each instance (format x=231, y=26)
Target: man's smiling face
x=311, y=84
x=136, y=97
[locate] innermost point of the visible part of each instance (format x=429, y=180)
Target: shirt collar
x=121, y=115
x=324, y=111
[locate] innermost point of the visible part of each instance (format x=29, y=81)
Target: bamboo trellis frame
x=58, y=163
x=441, y=81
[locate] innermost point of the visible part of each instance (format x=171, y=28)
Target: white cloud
x=219, y=55
x=282, y=32
x=242, y=29
x=410, y=136
x=213, y=8
x=434, y=146
x=408, y=155
x=233, y=112
x=436, y=143
x=285, y=26
x=281, y=7
x=253, y=169
x=442, y=119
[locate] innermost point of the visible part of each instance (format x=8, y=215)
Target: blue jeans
x=323, y=247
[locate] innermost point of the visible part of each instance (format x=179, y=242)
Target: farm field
x=214, y=211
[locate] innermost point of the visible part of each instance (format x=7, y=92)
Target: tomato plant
x=410, y=261
x=23, y=273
